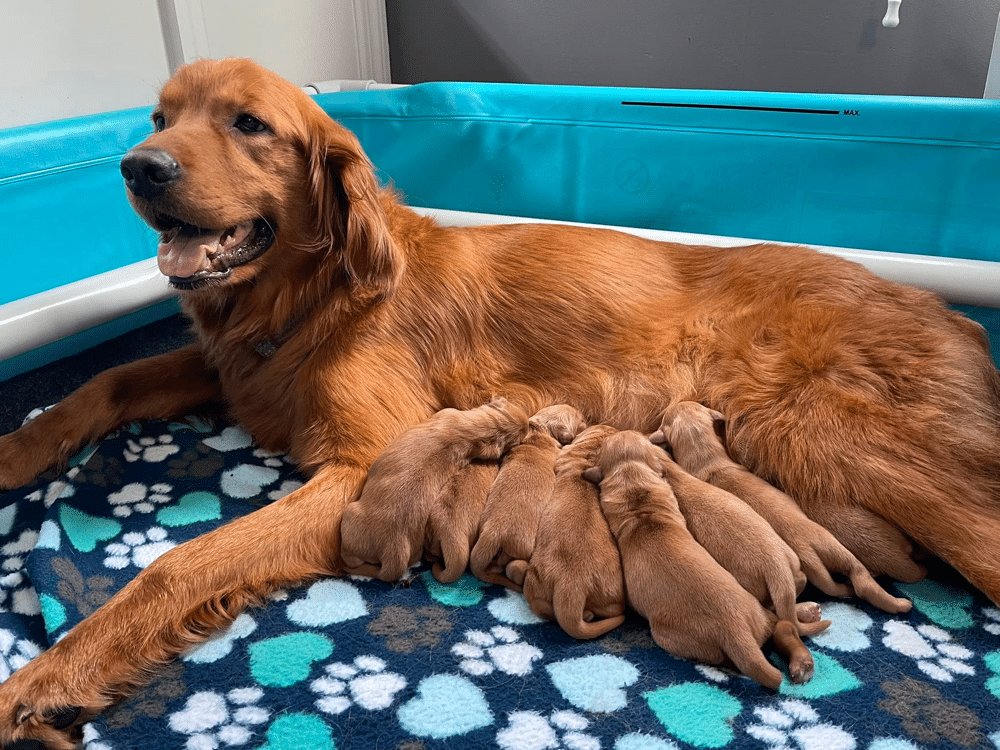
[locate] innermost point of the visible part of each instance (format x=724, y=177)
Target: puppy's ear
x=718, y=424
x=657, y=438
x=593, y=474
x=351, y=219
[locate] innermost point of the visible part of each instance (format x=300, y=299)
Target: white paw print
x=287, y=487
x=482, y=653
x=992, y=615
x=795, y=724
x=364, y=683
x=137, y=548
x=931, y=647
x=56, y=490
x=272, y=460
x=14, y=653
x=151, y=449
x=15, y=552
x=210, y=719
x=92, y=739
x=138, y=498
x=18, y=595
x=530, y=730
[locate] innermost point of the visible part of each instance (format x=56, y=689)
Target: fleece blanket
x=355, y=663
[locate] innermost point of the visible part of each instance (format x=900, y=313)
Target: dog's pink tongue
x=182, y=257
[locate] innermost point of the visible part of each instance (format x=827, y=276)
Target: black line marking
x=794, y=110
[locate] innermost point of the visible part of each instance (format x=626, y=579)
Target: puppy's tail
x=744, y=652
x=483, y=553
x=783, y=596
x=569, y=603
x=455, y=551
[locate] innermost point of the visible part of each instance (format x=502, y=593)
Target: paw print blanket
x=360, y=664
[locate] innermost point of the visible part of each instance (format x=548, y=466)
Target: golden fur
x=517, y=498
x=695, y=607
x=690, y=431
x=574, y=577
x=421, y=493
x=847, y=392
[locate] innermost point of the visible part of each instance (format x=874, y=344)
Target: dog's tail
x=455, y=551
x=781, y=586
x=569, y=603
x=745, y=653
x=481, y=563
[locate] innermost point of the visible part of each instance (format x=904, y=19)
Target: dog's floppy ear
x=351, y=219
x=593, y=474
x=718, y=424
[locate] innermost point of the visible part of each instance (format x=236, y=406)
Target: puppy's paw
x=808, y=612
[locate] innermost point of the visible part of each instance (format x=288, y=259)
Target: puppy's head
x=690, y=422
x=624, y=447
x=563, y=422
x=244, y=167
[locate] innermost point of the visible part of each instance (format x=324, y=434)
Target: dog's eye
x=249, y=124
x=159, y=121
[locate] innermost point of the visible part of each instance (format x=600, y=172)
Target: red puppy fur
x=400, y=511
x=695, y=607
x=344, y=318
x=692, y=432
x=454, y=522
x=741, y=541
x=575, y=574
x=524, y=485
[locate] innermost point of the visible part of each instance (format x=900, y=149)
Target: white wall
x=61, y=58
x=64, y=58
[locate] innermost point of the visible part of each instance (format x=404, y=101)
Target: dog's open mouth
x=192, y=257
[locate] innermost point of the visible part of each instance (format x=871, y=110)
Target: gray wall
x=940, y=48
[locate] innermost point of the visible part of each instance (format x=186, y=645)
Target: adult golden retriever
x=330, y=318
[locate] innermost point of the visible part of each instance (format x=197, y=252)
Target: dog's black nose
x=148, y=172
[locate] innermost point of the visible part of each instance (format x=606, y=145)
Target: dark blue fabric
x=362, y=664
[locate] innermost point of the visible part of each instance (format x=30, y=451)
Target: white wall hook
x=891, y=19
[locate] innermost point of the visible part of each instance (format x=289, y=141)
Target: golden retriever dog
x=509, y=522
x=416, y=492
x=574, y=575
x=359, y=319
x=695, y=607
x=692, y=432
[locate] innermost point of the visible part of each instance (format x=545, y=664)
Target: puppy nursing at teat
x=695, y=607
x=691, y=431
x=574, y=575
x=523, y=487
x=412, y=500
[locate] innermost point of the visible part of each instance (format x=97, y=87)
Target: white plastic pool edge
x=49, y=316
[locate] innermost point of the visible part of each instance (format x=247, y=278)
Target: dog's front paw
x=44, y=708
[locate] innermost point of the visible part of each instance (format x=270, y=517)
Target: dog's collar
x=267, y=346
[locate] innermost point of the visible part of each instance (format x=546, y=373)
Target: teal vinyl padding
x=907, y=175
x=899, y=174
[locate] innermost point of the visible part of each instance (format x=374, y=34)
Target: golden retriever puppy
x=574, y=575
x=453, y=523
x=693, y=433
x=524, y=485
x=696, y=609
x=385, y=531
x=741, y=541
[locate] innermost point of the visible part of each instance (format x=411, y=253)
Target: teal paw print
x=716, y=709
x=287, y=659
x=297, y=731
x=943, y=605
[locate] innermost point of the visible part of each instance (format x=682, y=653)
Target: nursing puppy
x=692, y=432
x=455, y=519
x=575, y=574
x=742, y=542
x=399, y=511
x=524, y=485
x=696, y=609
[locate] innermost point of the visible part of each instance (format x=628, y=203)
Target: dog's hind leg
x=179, y=600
